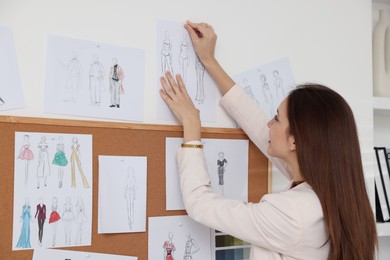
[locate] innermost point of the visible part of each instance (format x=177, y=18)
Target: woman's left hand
x=176, y=96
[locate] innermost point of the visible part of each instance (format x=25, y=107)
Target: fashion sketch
x=75, y=159
x=267, y=95
x=68, y=218
x=96, y=76
x=60, y=160
x=248, y=90
x=191, y=248
x=27, y=155
x=1, y=101
x=130, y=196
x=222, y=163
x=166, y=54
x=116, y=77
x=169, y=248
x=199, y=67
x=43, y=169
x=73, y=78
x=184, y=59
x=25, y=218
x=54, y=218
x=40, y=214
x=81, y=218
x=278, y=82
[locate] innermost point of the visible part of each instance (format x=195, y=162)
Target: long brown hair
x=329, y=159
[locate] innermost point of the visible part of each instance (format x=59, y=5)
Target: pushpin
x=88, y=255
x=180, y=224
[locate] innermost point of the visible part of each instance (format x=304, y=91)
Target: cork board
x=122, y=139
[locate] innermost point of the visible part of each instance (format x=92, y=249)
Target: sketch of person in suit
x=53, y=219
x=40, y=214
x=116, y=77
x=191, y=247
x=184, y=58
x=43, y=170
x=24, y=238
x=169, y=247
x=166, y=54
x=222, y=163
x=96, y=76
x=130, y=195
x=60, y=160
x=68, y=218
x=27, y=155
x=81, y=218
x=73, y=78
x=199, y=68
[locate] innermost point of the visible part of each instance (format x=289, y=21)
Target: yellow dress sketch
x=74, y=158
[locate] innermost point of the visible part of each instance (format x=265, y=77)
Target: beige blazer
x=287, y=225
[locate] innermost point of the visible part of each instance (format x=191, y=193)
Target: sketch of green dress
x=24, y=238
x=60, y=158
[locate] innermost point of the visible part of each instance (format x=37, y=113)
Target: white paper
x=44, y=176
x=11, y=94
x=56, y=254
x=122, y=194
x=268, y=84
x=78, y=79
x=227, y=162
x=179, y=236
x=175, y=53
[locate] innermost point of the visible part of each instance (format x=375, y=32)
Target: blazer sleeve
x=252, y=120
x=273, y=223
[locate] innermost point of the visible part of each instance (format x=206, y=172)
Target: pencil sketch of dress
x=278, y=82
x=53, y=219
x=60, y=160
x=96, y=76
x=73, y=78
x=24, y=238
x=222, y=163
x=248, y=90
x=1, y=101
x=199, y=67
x=81, y=218
x=166, y=55
x=116, y=77
x=266, y=93
x=191, y=248
x=43, y=169
x=27, y=155
x=74, y=159
x=169, y=248
x=68, y=218
x=184, y=59
x=130, y=196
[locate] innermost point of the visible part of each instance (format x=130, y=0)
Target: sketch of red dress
x=169, y=248
x=26, y=153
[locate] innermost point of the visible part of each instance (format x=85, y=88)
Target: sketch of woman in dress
x=24, y=238
x=222, y=163
x=54, y=218
x=278, y=82
x=73, y=78
x=191, y=248
x=166, y=54
x=266, y=93
x=40, y=214
x=130, y=196
x=43, y=169
x=60, y=160
x=27, y=155
x=199, y=67
x=248, y=90
x=68, y=218
x=75, y=159
x=81, y=218
x=169, y=247
x=96, y=76
x=184, y=59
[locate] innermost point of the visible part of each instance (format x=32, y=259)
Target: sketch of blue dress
x=24, y=238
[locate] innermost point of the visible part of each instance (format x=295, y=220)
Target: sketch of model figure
x=166, y=54
x=81, y=218
x=43, y=169
x=68, y=218
x=73, y=78
x=184, y=59
x=24, y=238
x=278, y=82
x=96, y=76
x=53, y=220
x=116, y=83
x=27, y=155
x=75, y=159
x=40, y=214
x=248, y=90
x=191, y=248
x=266, y=93
x=1, y=101
x=60, y=160
x=199, y=67
x=130, y=196
x=169, y=247
x=222, y=164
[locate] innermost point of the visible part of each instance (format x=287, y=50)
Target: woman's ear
x=292, y=146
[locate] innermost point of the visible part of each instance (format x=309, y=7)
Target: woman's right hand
x=204, y=40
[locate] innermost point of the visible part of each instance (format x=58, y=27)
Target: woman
x=312, y=139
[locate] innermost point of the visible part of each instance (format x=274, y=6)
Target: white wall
x=326, y=41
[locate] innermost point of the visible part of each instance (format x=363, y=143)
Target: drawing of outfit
x=74, y=158
x=24, y=238
x=199, y=67
x=59, y=157
x=169, y=248
x=188, y=252
x=116, y=86
x=221, y=171
x=54, y=216
x=81, y=218
x=166, y=57
x=130, y=192
x=41, y=213
x=68, y=218
x=96, y=75
x=73, y=79
x=183, y=60
x=43, y=169
x=26, y=153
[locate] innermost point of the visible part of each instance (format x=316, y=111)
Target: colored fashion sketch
x=75, y=160
x=40, y=215
x=54, y=218
x=169, y=248
x=27, y=155
x=60, y=160
x=25, y=218
x=116, y=83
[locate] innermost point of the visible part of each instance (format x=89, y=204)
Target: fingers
x=198, y=30
x=182, y=87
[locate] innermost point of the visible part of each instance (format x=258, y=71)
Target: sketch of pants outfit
x=169, y=248
x=73, y=79
x=200, y=97
x=221, y=171
x=74, y=158
x=115, y=92
x=41, y=214
x=95, y=85
x=130, y=201
x=24, y=238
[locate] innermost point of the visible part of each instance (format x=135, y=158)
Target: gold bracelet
x=192, y=146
